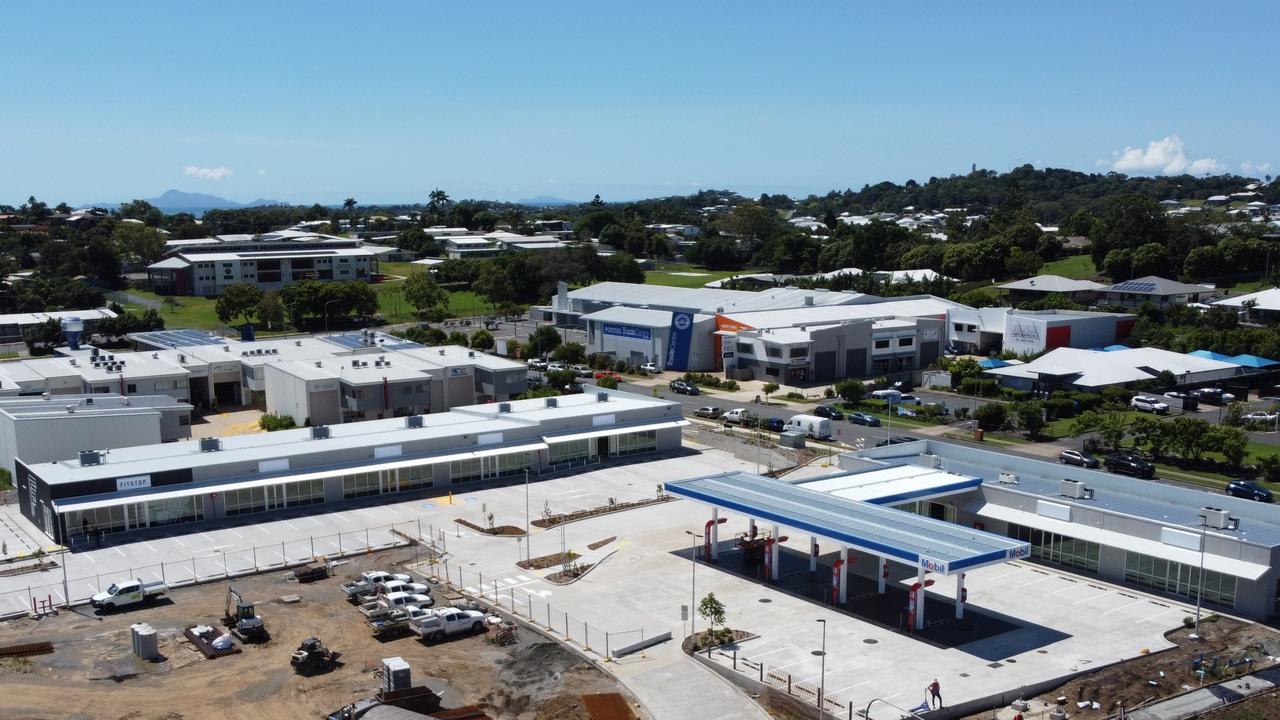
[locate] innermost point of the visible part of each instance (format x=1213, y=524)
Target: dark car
x=774, y=424
x=827, y=411
x=573, y=388
x=896, y=440
x=1250, y=490
x=684, y=388
x=1130, y=464
x=861, y=418
x=1075, y=457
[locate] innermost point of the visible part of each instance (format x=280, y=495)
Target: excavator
x=240, y=617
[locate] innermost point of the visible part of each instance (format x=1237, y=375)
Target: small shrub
x=829, y=393
x=793, y=395
x=272, y=422
x=730, y=385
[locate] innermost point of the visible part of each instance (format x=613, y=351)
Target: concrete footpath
x=1208, y=698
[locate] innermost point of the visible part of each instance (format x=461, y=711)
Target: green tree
x=238, y=301
x=571, y=353
x=141, y=210
x=768, y=389
x=1152, y=433
x=270, y=310
x=350, y=206
x=437, y=200
x=42, y=338
x=1030, y=417
x=457, y=337
x=1110, y=425
x=543, y=340
x=851, y=391
x=422, y=292
x=963, y=368
x=713, y=611
x=992, y=416
x=482, y=340
x=495, y=285
x=140, y=243
x=558, y=379
x=1231, y=442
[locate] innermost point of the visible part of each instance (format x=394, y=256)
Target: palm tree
x=436, y=200
x=350, y=206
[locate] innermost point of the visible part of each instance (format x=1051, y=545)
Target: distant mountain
x=175, y=201
x=546, y=201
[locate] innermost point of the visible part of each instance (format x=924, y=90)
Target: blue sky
x=383, y=101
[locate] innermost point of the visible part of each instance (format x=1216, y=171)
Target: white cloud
x=1252, y=168
x=262, y=172
x=1166, y=156
x=207, y=173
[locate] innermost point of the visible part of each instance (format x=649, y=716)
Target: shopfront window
x=637, y=442
x=360, y=485
x=1058, y=549
x=1179, y=579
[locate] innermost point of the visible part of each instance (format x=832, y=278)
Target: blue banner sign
x=680, y=342
x=628, y=332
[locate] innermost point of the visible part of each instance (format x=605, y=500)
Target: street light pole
x=693, y=593
x=822, y=681
x=526, y=514
x=326, y=312
x=1204, y=526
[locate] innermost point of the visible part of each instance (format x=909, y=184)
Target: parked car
x=861, y=418
x=904, y=386
x=556, y=366
x=583, y=371
x=651, y=368
x=1148, y=404
x=826, y=411
x=1130, y=464
x=896, y=440
x=1248, y=489
x=128, y=592
x=537, y=364
x=684, y=388
x=1259, y=416
x=709, y=412
x=908, y=400
x=435, y=625
x=774, y=424
x=739, y=416
x=573, y=388
x=1182, y=400
x=1214, y=396
x=939, y=407
x=1075, y=457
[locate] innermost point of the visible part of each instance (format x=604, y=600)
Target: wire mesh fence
x=57, y=589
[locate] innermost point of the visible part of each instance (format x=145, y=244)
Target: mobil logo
x=1023, y=551
x=929, y=564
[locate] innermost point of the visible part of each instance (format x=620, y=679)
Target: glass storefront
x=1179, y=579
x=1058, y=549
x=636, y=442
x=573, y=452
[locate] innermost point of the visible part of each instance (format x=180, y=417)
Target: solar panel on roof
x=1134, y=286
x=179, y=338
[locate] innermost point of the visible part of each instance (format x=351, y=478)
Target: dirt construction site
x=92, y=675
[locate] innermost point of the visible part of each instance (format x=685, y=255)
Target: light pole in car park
x=1232, y=524
x=693, y=593
x=822, y=678
x=526, y=514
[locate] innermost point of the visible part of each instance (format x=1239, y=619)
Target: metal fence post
x=226, y=569
x=339, y=543
x=567, y=636
x=163, y=579
x=548, y=614
x=586, y=635
x=284, y=557
x=512, y=593
x=312, y=540
x=194, y=575
x=367, y=546
x=255, y=557
x=418, y=537
x=606, y=646
x=496, y=600
x=480, y=581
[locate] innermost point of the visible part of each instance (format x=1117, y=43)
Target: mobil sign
x=932, y=565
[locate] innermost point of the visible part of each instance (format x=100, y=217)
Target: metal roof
x=892, y=485
x=1052, y=284
x=936, y=545
x=1154, y=285
x=177, y=338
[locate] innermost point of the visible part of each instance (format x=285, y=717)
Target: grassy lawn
x=399, y=268
x=881, y=410
x=662, y=275
x=1076, y=267
x=190, y=312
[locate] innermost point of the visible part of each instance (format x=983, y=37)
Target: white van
x=890, y=396
x=818, y=428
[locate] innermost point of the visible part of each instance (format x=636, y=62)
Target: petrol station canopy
x=935, y=545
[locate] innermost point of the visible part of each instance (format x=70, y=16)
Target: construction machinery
x=312, y=656
x=241, y=619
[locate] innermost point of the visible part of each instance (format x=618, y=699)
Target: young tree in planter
x=769, y=389
x=712, y=610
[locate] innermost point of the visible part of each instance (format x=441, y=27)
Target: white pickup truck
x=369, y=579
x=395, y=601
x=129, y=592
x=394, y=586
x=396, y=620
x=434, y=625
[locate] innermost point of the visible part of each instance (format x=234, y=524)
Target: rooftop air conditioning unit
x=551, y=402
x=297, y=343
x=182, y=359
x=210, y=445
x=1007, y=478
x=155, y=356
x=413, y=421
x=1217, y=518
x=930, y=460
x=1075, y=489
x=471, y=353
x=504, y=407
x=319, y=432
x=90, y=457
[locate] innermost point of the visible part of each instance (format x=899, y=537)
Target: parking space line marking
x=89, y=557
x=233, y=532
x=798, y=662
x=1002, y=575
x=207, y=537
x=523, y=578
x=118, y=551
x=1126, y=605
x=1093, y=597
x=847, y=687
x=291, y=525
x=1033, y=582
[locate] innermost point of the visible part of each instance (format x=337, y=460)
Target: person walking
x=935, y=693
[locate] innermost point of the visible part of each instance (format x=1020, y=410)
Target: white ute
x=368, y=580
x=394, y=601
x=129, y=592
x=436, y=624
x=394, y=586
